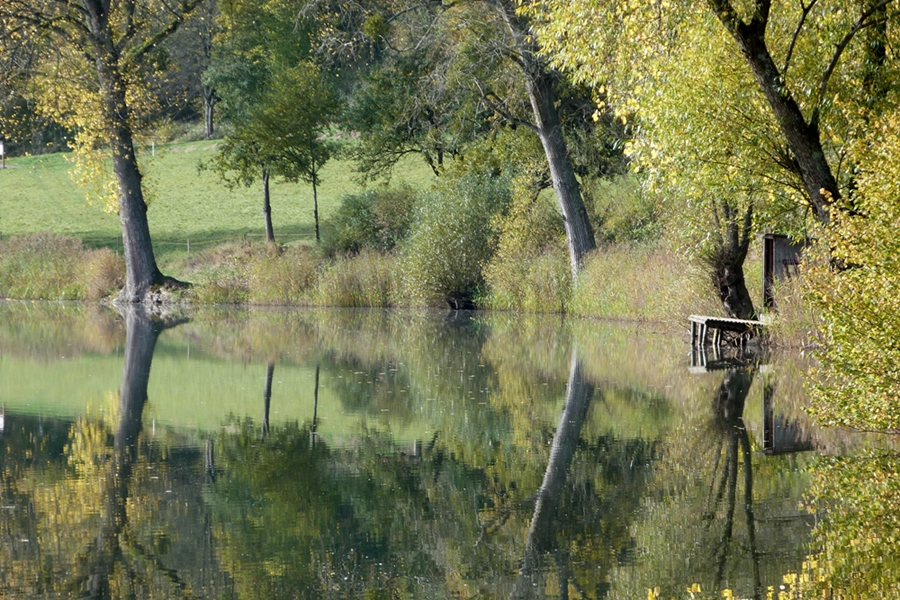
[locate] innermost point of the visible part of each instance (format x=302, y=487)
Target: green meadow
x=190, y=208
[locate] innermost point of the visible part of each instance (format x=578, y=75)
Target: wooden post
x=2, y=154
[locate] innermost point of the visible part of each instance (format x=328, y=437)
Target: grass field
x=189, y=207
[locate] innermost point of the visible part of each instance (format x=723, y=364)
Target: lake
x=366, y=454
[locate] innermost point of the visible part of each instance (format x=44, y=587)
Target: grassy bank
x=190, y=209
x=211, y=236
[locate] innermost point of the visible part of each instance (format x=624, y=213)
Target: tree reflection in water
x=541, y=536
x=100, y=560
x=728, y=426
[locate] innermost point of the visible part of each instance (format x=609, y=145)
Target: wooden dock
x=701, y=325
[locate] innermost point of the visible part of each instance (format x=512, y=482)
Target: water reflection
x=98, y=562
x=541, y=536
x=729, y=429
x=393, y=455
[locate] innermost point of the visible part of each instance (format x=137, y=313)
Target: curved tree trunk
x=801, y=136
x=540, y=84
x=140, y=261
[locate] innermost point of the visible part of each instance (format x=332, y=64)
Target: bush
x=622, y=211
x=540, y=283
x=649, y=283
x=45, y=266
x=368, y=279
x=220, y=274
x=376, y=219
x=452, y=239
x=524, y=273
x=103, y=274
x=282, y=276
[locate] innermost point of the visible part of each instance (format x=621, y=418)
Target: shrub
x=366, y=279
x=649, y=283
x=541, y=283
x=375, y=219
x=282, y=276
x=452, y=239
x=103, y=273
x=41, y=266
x=623, y=211
x=227, y=290
x=524, y=272
x=220, y=274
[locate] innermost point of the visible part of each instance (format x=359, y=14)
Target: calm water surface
x=362, y=454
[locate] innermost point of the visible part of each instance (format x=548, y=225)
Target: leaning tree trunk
x=579, y=233
x=140, y=262
x=802, y=136
x=542, y=96
x=579, y=393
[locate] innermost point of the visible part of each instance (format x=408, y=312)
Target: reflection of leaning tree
x=541, y=538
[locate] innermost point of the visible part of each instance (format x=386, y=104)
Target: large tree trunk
x=140, y=262
x=540, y=85
x=726, y=260
x=579, y=232
x=802, y=137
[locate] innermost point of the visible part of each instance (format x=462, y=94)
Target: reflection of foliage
x=293, y=514
x=857, y=552
x=318, y=524
x=719, y=508
x=83, y=523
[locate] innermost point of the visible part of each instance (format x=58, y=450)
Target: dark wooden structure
x=701, y=326
x=781, y=259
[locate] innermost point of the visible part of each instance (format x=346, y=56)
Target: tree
x=768, y=126
x=107, y=43
x=242, y=157
x=465, y=69
x=294, y=119
x=279, y=102
x=815, y=80
x=188, y=53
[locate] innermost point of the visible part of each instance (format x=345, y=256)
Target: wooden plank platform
x=700, y=326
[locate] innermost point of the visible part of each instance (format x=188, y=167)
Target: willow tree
x=466, y=68
x=750, y=106
x=97, y=53
x=816, y=70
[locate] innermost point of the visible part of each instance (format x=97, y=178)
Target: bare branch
x=187, y=6
x=805, y=8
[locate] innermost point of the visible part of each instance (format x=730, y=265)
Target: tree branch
x=147, y=45
x=860, y=24
x=806, y=8
x=497, y=108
